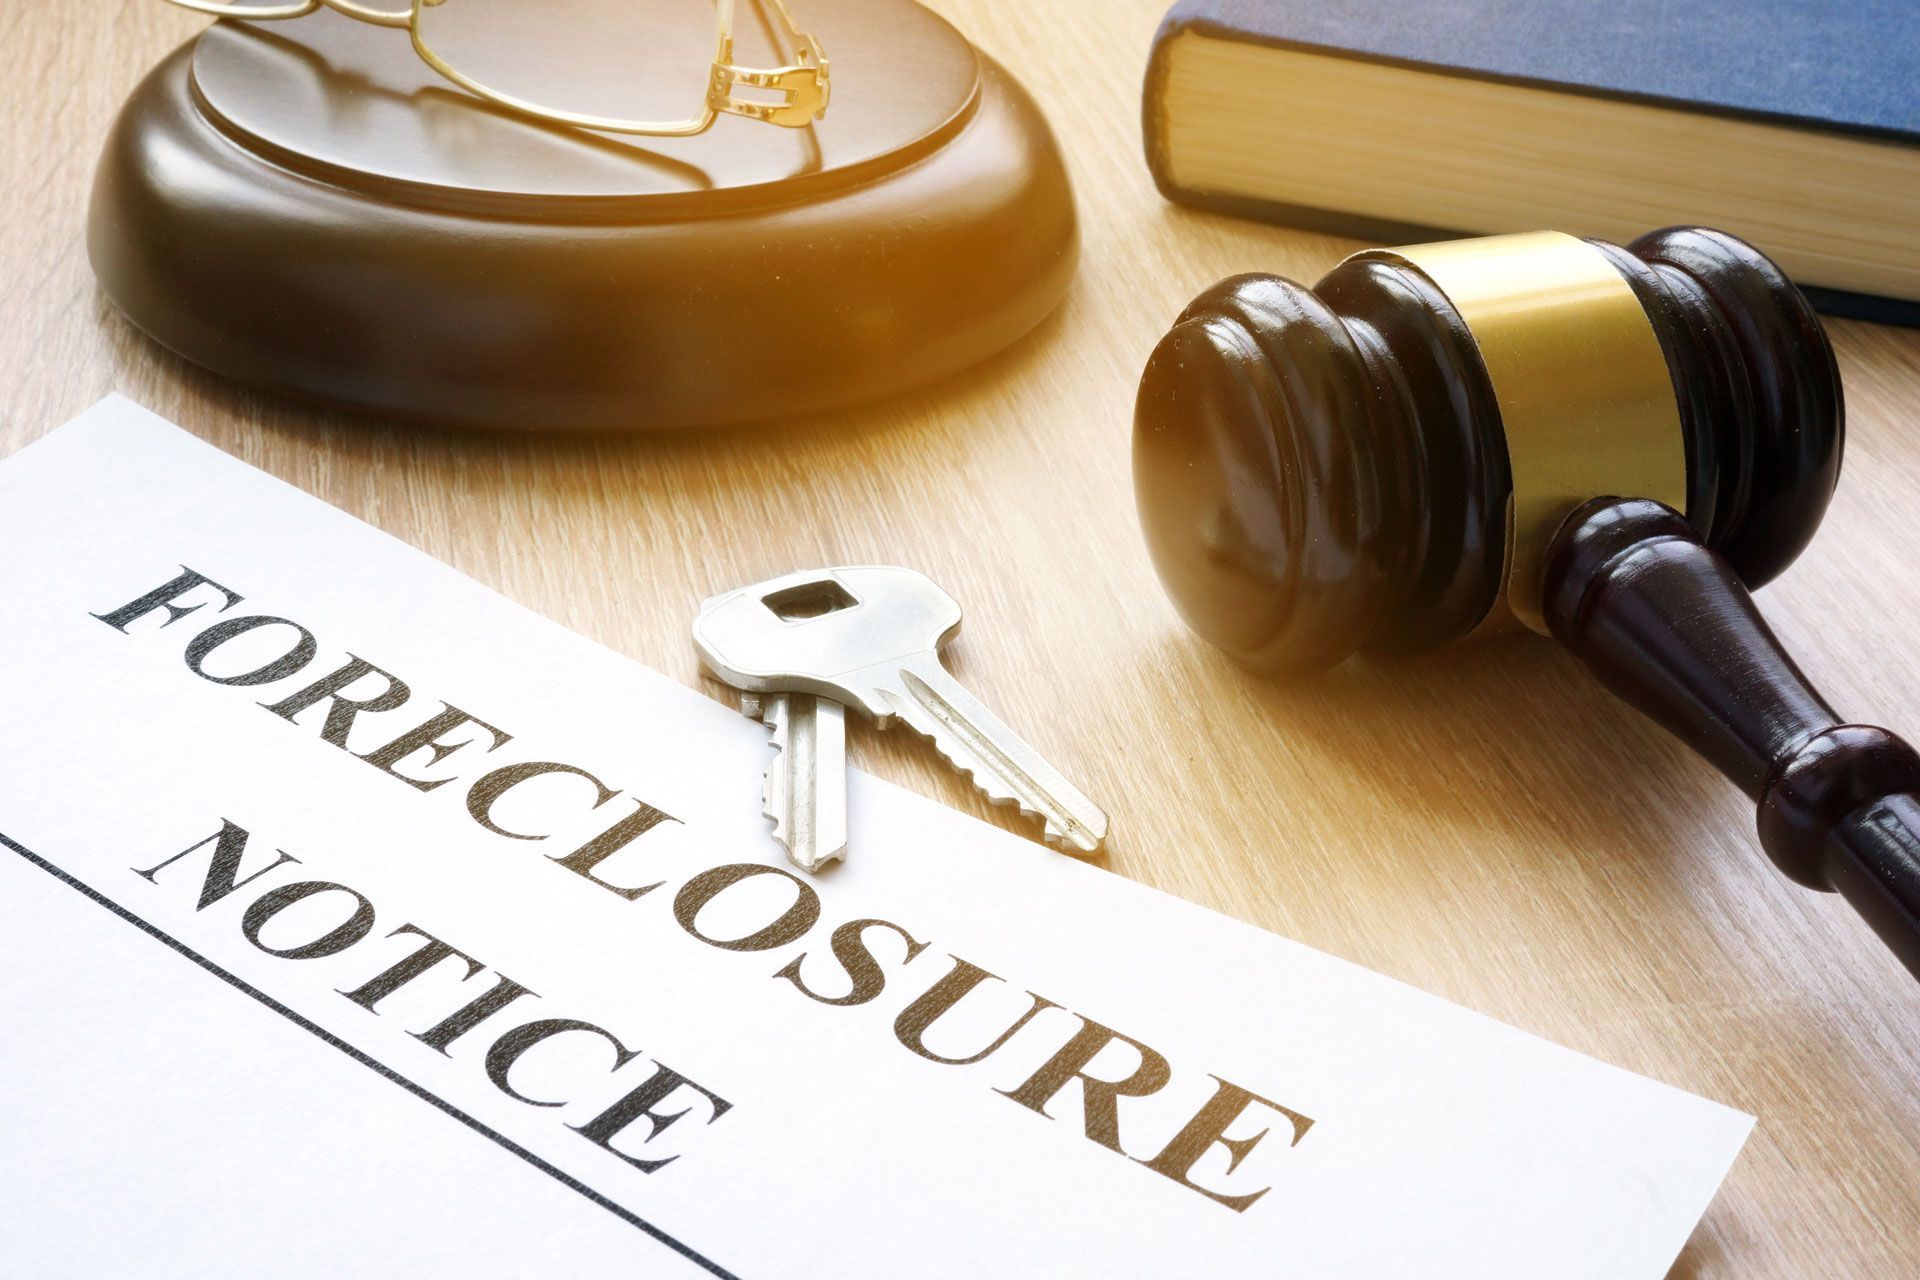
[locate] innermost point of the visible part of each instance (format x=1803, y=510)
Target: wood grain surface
x=1487, y=824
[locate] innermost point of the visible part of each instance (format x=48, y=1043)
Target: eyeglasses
x=520, y=55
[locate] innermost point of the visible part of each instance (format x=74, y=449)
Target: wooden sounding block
x=306, y=207
x=1608, y=445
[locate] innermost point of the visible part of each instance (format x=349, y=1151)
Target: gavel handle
x=1667, y=625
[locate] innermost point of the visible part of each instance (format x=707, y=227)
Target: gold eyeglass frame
x=803, y=84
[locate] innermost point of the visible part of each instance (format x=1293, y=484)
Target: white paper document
x=355, y=920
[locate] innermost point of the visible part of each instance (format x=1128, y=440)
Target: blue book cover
x=1851, y=65
x=1846, y=67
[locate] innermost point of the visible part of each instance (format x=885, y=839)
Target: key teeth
x=819, y=864
x=1051, y=832
x=776, y=735
x=778, y=726
x=810, y=866
x=1059, y=839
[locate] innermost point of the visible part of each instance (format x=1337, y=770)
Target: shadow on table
x=1493, y=732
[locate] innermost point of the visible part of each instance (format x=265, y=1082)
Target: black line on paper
x=495, y=1135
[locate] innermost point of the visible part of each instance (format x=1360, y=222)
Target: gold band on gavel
x=1586, y=403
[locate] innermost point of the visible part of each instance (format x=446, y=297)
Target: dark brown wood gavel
x=1442, y=440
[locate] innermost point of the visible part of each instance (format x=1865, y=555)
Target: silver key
x=805, y=792
x=869, y=637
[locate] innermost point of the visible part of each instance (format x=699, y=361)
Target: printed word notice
x=356, y=921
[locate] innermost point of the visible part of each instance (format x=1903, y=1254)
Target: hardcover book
x=1792, y=124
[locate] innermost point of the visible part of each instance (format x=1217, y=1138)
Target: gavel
x=1611, y=446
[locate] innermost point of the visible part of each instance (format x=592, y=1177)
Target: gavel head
x=1380, y=462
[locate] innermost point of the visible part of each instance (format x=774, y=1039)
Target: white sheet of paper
x=191, y=1089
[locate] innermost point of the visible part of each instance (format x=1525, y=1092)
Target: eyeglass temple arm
x=804, y=84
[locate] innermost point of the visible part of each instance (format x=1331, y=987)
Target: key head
x=816, y=631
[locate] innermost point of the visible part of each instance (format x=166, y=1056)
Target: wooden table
x=1485, y=824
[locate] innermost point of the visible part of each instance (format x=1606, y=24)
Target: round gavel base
x=304, y=206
